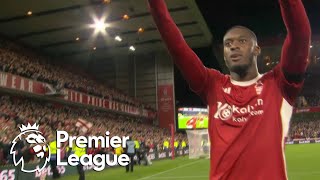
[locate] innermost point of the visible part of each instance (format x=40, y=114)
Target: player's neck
x=245, y=76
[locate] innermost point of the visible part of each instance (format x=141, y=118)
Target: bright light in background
x=140, y=30
x=132, y=48
x=77, y=39
x=311, y=46
x=125, y=17
x=29, y=13
x=99, y=25
x=118, y=38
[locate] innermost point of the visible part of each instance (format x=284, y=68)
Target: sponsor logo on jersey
x=238, y=114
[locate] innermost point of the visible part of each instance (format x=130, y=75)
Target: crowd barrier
x=28, y=87
x=304, y=141
x=11, y=172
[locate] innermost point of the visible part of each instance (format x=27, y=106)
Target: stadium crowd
x=302, y=129
x=15, y=111
x=17, y=61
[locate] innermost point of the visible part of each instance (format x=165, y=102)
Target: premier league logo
x=34, y=138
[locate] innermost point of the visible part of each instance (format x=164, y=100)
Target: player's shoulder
x=214, y=71
x=216, y=74
x=270, y=75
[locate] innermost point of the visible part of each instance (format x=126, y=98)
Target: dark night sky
x=263, y=17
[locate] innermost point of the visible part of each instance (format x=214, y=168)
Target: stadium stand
x=15, y=111
x=52, y=116
x=16, y=60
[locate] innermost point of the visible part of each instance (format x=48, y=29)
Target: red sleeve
x=296, y=48
x=289, y=90
x=185, y=59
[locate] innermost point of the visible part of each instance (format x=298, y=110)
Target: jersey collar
x=246, y=83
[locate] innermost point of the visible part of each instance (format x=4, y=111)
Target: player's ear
x=257, y=50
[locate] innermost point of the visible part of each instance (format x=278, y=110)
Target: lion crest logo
x=35, y=139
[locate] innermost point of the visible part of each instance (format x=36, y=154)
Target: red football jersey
x=248, y=122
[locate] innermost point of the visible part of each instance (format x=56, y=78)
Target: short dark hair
x=245, y=28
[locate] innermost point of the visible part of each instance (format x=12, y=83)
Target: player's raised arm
x=295, y=50
x=186, y=60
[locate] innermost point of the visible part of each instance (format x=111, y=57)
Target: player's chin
x=239, y=62
x=239, y=67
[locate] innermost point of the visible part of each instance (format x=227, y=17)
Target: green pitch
x=182, y=122
x=302, y=161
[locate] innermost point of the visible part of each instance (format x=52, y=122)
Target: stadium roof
x=60, y=28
